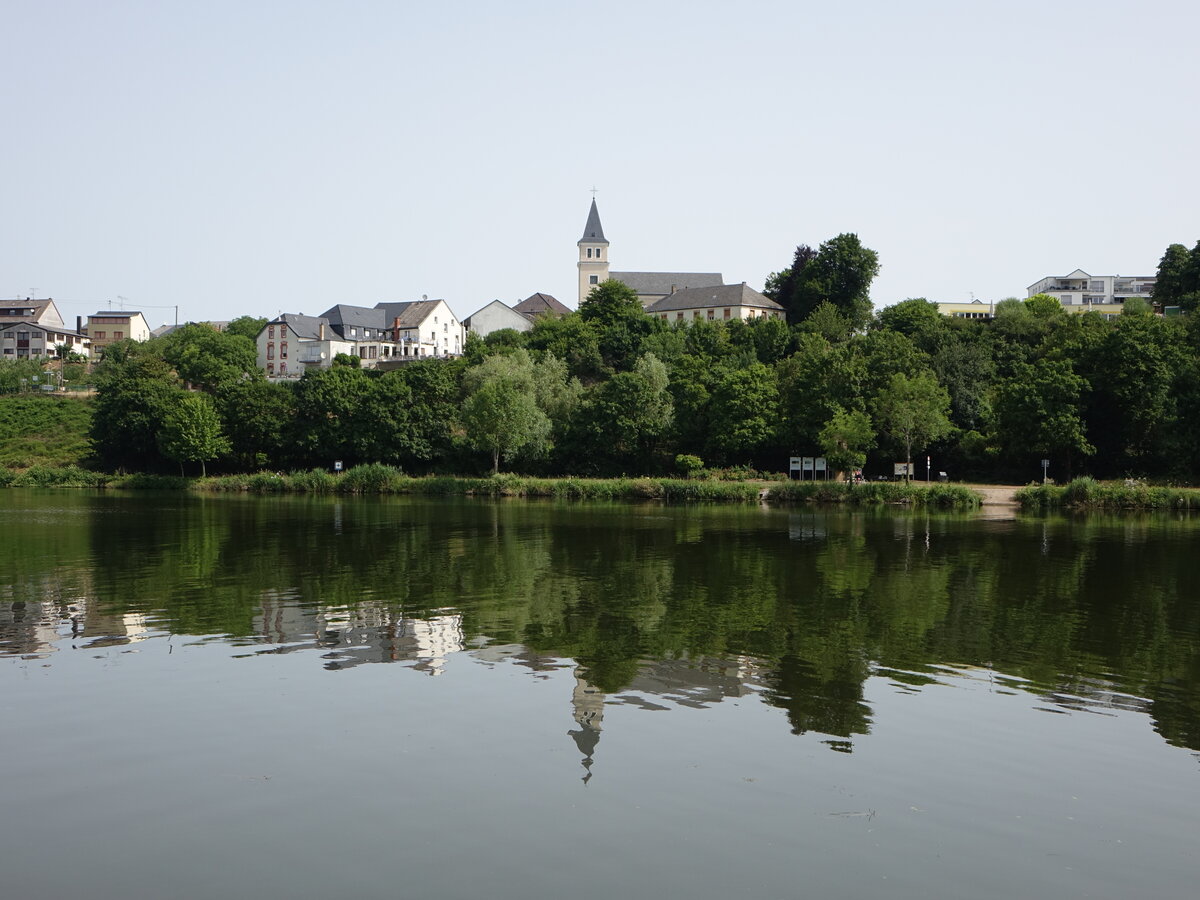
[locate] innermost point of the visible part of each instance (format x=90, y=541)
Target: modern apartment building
x=1105, y=294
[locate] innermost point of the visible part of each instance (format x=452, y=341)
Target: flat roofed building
x=967, y=309
x=110, y=326
x=1105, y=294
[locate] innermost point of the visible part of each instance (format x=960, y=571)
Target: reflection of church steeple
x=588, y=703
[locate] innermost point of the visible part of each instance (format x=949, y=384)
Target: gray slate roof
x=665, y=282
x=539, y=303
x=344, y=316
x=305, y=326
x=593, y=231
x=723, y=295
x=411, y=313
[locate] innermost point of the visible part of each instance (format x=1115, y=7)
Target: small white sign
x=819, y=463
x=900, y=469
x=337, y=465
x=808, y=464
x=793, y=464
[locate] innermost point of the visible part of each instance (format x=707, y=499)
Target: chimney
x=320, y=331
x=673, y=288
x=396, y=329
x=79, y=324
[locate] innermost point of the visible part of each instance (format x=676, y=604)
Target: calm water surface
x=311, y=697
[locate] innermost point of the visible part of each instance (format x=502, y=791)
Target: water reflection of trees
x=806, y=605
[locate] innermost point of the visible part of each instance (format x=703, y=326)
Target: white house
x=292, y=343
x=1105, y=294
x=496, y=316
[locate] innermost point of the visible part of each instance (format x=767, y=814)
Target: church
x=671, y=296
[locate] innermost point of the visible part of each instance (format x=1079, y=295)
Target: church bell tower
x=593, y=254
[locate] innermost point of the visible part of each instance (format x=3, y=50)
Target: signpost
x=901, y=470
x=337, y=465
x=819, y=466
x=1045, y=470
x=927, y=464
x=793, y=466
x=806, y=465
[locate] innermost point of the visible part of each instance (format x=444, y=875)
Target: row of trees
x=610, y=390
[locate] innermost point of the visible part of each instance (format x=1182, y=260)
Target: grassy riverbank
x=1087, y=493
x=381, y=479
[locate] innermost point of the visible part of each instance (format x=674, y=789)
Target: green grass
x=376, y=478
x=1087, y=493
x=38, y=430
x=874, y=493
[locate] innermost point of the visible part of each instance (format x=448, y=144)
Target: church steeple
x=593, y=254
x=593, y=231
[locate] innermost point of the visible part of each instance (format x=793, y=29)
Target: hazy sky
x=250, y=157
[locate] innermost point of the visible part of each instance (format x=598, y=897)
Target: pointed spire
x=593, y=231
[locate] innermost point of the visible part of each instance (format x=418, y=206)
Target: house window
x=712, y=314
x=589, y=256
x=353, y=332
x=99, y=335
x=270, y=351
x=283, y=368
x=117, y=335
x=725, y=315
x=679, y=317
x=593, y=279
x=283, y=350
x=270, y=368
x=271, y=331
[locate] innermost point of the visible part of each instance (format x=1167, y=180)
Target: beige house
x=967, y=309
x=104, y=328
x=716, y=304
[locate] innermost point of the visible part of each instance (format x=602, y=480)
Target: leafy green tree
x=191, y=431
x=839, y=273
x=913, y=412
x=258, y=416
x=623, y=419
x=504, y=419
x=744, y=412
x=914, y=318
x=846, y=438
x=501, y=412
x=135, y=388
x=207, y=358
x=435, y=385
x=1139, y=362
x=964, y=366
x=611, y=303
x=247, y=327
x=1039, y=411
x=1178, y=279
x=572, y=339
x=828, y=322
x=333, y=416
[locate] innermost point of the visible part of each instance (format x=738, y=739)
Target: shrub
x=369, y=478
x=688, y=465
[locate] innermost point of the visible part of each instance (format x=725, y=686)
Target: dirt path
x=997, y=494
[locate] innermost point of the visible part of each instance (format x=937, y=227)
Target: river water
x=315, y=697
